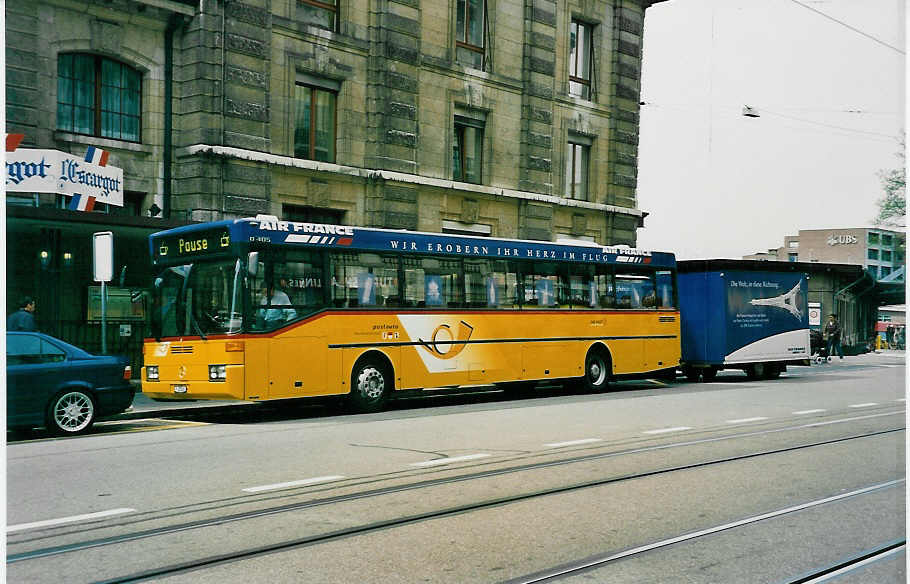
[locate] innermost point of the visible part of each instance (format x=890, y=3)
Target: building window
x=793, y=244
x=873, y=238
x=874, y=271
x=887, y=240
x=132, y=205
x=470, y=32
x=886, y=271
x=467, y=151
x=314, y=128
x=580, y=59
x=321, y=13
x=97, y=96
x=886, y=255
x=873, y=254
x=306, y=214
x=793, y=257
x=577, y=157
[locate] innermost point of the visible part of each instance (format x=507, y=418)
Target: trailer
x=743, y=318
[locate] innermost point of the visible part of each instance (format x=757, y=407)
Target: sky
x=831, y=99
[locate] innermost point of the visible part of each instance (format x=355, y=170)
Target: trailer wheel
x=691, y=373
x=755, y=371
x=772, y=371
x=709, y=374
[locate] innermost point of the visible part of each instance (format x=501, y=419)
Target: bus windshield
x=198, y=299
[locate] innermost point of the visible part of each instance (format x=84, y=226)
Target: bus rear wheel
x=370, y=385
x=597, y=371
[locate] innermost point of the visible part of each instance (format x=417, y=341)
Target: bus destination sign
x=192, y=244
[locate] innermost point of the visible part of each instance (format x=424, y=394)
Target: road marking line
x=299, y=483
x=441, y=461
x=803, y=412
x=866, y=405
x=665, y=430
x=573, y=442
x=901, y=399
x=72, y=519
x=842, y=420
x=744, y=420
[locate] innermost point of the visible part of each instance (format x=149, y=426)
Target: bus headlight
x=217, y=372
x=151, y=373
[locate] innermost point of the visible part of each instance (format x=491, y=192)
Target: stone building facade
x=508, y=118
x=220, y=99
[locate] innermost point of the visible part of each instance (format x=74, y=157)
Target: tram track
x=376, y=526
x=853, y=563
x=592, y=563
x=214, y=505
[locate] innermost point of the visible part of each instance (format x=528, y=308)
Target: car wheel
x=71, y=412
x=370, y=385
x=597, y=371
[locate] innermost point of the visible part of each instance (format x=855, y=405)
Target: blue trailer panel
x=743, y=319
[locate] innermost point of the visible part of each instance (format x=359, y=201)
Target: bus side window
x=606, y=292
x=635, y=291
x=433, y=283
x=542, y=287
x=665, y=296
x=480, y=285
x=583, y=292
x=364, y=279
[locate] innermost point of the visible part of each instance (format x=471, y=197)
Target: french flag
x=13, y=141
x=96, y=156
x=81, y=203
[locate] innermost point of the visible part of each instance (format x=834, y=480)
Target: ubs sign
x=835, y=239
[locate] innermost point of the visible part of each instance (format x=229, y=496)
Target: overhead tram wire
x=853, y=28
x=867, y=134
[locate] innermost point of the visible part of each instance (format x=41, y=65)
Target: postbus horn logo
x=444, y=345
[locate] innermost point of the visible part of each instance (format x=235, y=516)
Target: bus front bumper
x=231, y=388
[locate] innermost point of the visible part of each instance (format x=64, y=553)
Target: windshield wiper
x=195, y=323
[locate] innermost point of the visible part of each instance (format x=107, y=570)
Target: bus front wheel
x=370, y=385
x=597, y=371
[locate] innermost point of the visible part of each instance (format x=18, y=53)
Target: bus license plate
x=179, y=389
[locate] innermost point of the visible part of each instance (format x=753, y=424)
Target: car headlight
x=217, y=372
x=151, y=372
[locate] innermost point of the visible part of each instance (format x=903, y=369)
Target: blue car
x=62, y=387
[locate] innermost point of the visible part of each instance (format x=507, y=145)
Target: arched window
x=98, y=96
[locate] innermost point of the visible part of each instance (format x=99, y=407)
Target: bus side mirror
x=252, y=263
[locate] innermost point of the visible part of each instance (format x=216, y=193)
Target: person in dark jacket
x=832, y=333
x=24, y=318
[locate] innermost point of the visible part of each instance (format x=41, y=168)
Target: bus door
x=297, y=365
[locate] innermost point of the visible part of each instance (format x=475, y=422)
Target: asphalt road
x=732, y=481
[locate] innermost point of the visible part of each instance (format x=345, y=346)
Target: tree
x=892, y=208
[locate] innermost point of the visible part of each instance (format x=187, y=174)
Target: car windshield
x=198, y=300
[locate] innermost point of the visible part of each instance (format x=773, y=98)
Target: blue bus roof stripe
x=269, y=231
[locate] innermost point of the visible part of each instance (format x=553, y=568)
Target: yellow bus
x=264, y=309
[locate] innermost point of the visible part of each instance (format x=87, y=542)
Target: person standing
x=832, y=332
x=24, y=318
